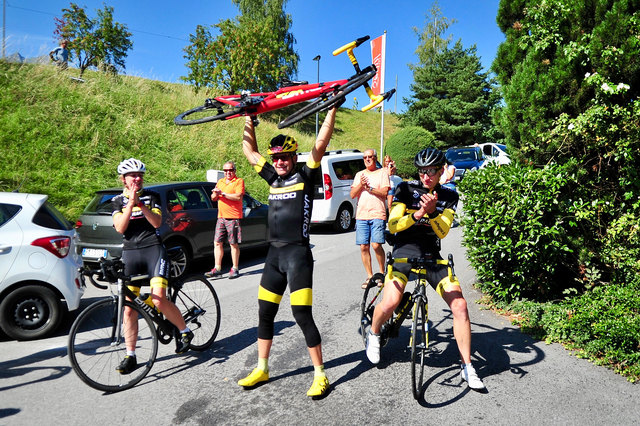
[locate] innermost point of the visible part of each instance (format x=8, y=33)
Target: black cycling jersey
x=140, y=233
x=290, y=203
x=421, y=232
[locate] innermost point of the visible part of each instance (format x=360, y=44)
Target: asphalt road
x=528, y=382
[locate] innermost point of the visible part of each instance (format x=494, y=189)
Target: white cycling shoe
x=468, y=374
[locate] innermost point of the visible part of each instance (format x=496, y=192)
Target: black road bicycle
x=96, y=340
x=416, y=302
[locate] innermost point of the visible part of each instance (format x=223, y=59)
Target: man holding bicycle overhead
x=136, y=214
x=421, y=215
x=289, y=260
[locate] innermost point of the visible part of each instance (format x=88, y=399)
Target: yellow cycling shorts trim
x=268, y=296
x=302, y=297
x=134, y=289
x=159, y=282
x=447, y=284
x=397, y=276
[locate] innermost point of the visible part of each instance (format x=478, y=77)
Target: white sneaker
x=373, y=347
x=468, y=374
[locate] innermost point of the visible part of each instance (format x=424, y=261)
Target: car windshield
x=101, y=203
x=461, y=155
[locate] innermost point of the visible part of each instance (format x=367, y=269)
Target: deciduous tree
x=99, y=42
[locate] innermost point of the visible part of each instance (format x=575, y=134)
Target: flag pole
x=384, y=43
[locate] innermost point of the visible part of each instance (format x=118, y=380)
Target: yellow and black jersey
x=426, y=232
x=140, y=233
x=290, y=202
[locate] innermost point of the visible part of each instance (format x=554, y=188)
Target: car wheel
x=30, y=312
x=179, y=258
x=343, y=220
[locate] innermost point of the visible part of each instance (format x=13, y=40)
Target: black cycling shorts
x=435, y=274
x=152, y=260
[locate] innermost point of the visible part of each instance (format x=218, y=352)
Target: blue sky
x=161, y=30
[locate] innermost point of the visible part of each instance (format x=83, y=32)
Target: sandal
x=365, y=284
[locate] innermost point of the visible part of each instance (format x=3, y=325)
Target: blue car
x=468, y=158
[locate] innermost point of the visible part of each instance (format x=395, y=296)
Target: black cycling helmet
x=282, y=144
x=429, y=157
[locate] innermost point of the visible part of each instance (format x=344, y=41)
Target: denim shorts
x=370, y=231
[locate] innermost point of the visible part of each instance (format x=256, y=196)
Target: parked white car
x=39, y=278
x=495, y=153
x=332, y=202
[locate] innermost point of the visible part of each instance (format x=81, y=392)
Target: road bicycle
x=322, y=96
x=96, y=340
x=417, y=302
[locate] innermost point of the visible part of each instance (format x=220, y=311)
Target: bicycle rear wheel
x=418, y=347
x=94, y=351
x=200, y=308
x=328, y=100
x=371, y=297
x=210, y=111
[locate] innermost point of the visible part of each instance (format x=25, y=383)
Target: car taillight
x=328, y=187
x=58, y=246
x=78, y=224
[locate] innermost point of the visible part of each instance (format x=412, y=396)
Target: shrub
x=515, y=233
x=404, y=144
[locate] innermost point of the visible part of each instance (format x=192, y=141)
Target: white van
x=332, y=203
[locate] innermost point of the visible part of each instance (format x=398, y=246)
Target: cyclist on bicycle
x=421, y=215
x=136, y=214
x=289, y=260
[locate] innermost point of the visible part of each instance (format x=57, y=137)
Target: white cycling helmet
x=131, y=166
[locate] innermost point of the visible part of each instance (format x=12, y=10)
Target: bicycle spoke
x=95, y=355
x=200, y=307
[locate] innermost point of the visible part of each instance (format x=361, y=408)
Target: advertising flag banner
x=378, y=59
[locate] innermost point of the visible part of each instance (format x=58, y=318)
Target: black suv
x=188, y=224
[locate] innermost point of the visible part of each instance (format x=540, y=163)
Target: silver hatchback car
x=38, y=266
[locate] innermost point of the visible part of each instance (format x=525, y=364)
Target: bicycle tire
x=371, y=297
x=418, y=347
x=201, y=114
x=328, y=101
x=94, y=355
x=198, y=302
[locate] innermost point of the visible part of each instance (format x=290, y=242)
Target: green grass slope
x=65, y=139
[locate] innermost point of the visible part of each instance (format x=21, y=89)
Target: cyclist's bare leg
x=130, y=328
x=390, y=299
x=166, y=306
x=264, y=348
x=379, y=252
x=461, y=322
x=365, y=254
x=316, y=355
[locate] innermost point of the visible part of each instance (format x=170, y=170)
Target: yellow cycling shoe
x=319, y=387
x=256, y=376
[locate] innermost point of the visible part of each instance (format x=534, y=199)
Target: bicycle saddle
x=285, y=82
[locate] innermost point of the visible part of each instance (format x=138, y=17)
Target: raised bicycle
x=96, y=341
x=324, y=95
x=417, y=302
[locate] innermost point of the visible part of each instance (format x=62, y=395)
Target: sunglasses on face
x=228, y=170
x=428, y=171
x=280, y=158
x=368, y=156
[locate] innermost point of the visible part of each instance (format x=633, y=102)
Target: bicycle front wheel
x=328, y=100
x=418, y=347
x=211, y=110
x=198, y=302
x=371, y=297
x=95, y=351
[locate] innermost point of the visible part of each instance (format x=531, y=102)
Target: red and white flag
x=378, y=59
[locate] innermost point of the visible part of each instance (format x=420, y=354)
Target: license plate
x=94, y=253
